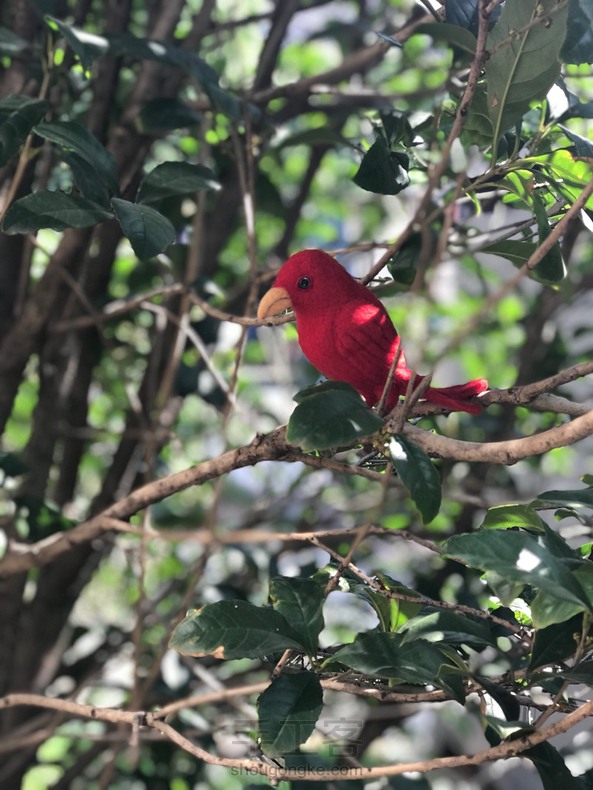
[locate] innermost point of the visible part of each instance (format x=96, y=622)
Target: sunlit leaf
x=523, y=63
x=233, y=629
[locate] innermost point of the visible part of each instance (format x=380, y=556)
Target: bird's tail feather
x=456, y=398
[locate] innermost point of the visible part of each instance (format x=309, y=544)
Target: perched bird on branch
x=346, y=333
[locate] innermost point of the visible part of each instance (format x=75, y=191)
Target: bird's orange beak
x=274, y=302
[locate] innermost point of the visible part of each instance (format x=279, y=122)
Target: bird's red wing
x=365, y=342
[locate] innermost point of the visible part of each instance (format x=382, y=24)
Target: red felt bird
x=346, y=333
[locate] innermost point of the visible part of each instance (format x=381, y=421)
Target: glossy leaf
x=523, y=63
x=384, y=655
x=149, y=231
x=18, y=116
x=383, y=171
x=392, y=612
x=55, y=210
x=87, y=46
x=509, y=516
x=547, y=610
x=552, y=769
x=555, y=643
x=175, y=178
x=74, y=137
x=300, y=602
x=233, y=629
x=551, y=268
x=288, y=711
x=419, y=475
x=331, y=414
x=453, y=628
x=518, y=556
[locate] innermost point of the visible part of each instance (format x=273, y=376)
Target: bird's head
x=309, y=280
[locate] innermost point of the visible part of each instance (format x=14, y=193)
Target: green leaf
x=74, y=137
x=54, y=210
x=18, y=116
x=551, y=768
x=578, y=44
x=331, y=414
x=418, y=474
x=582, y=673
x=87, y=46
x=452, y=628
x=583, y=147
x=509, y=516
x=457, y=36
x=387, y=656
x=87, y=180
x=555, y=643
x=551, y=268
x=149, y=231
x=300, y=602
x=288, y=711
x=175, y=178
x=233, y=629
x=577, y=498
x=163, y=115
x=523, y=63
x=547, y=610
x=382, y=170
x=392, y=612
x=518, y=556
x=568, y=176
x=403, y=265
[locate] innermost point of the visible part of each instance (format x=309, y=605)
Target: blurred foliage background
x=237, y=131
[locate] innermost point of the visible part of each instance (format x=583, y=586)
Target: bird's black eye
x=304, y=282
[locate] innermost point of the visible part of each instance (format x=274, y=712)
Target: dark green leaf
x=392, y=612
x=578, y=44
x=383, y=171
x=555, y=643
x=506, y=700
x=387, y=656
x=300, y=602
x=149, y=231
x=331, y=414
x=418, y=474
x=12, y=464
x=568, y=176
x=89, y=183
x=233, y=629
x=524, y=48
x=175, y=178
x=288, y=711
x=551, y=268
x=18, y=116
x=402, y=266
x=457, y=36
x=582, y=673
x=579, y=498
x=74, y=137
x=54, y=210
x=518, y=556
x=163, y=115
x=583, y=147
x=551, y=768
x=453, y=628
x=88, y=46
